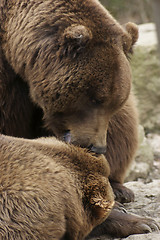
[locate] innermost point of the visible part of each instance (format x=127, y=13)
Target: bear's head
x=74, y=57
x=96, y=82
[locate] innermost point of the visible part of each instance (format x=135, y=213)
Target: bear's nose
x=99, y=150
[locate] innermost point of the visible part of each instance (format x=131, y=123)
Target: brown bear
x=65, y=62
x=51, y=190
x=68, y=61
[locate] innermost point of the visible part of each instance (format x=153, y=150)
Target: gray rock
x=143, y=161
x=147, y=204
x=154, y=141
x=147, y=198
x=150, y=236
x=138, y=170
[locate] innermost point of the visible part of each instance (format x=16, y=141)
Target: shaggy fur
x=69, y=60
x=50, y=190
x=65, y=61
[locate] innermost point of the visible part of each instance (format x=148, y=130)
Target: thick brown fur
x=66, y=62
x=69, y=60
x=51, y=190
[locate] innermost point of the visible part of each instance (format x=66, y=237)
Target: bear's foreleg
x=122, y=141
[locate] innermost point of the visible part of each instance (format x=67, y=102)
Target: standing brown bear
x=65, y=62
x=51, y=190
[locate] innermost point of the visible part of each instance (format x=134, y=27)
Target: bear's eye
x=96, y=101
x=93, y=100
x=67, y=136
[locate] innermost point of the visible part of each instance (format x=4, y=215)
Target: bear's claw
x=122, y=193
x=121, y=224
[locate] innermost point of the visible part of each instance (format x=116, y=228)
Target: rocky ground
x=147, y=204
x=146, y=184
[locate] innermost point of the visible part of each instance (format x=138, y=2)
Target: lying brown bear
x=66, y=61
x=51, y=190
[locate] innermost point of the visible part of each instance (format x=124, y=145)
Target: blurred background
x=146, y=59
x=138, y=11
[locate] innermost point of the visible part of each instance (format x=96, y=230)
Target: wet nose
x=99, y=150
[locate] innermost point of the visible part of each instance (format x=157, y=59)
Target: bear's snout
x=98, y=149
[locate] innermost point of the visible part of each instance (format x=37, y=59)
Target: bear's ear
x=75, y=38
x=102, y=207
x=132, y=30
x=99, y=201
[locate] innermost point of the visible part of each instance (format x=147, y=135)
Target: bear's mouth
x=97, y=150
